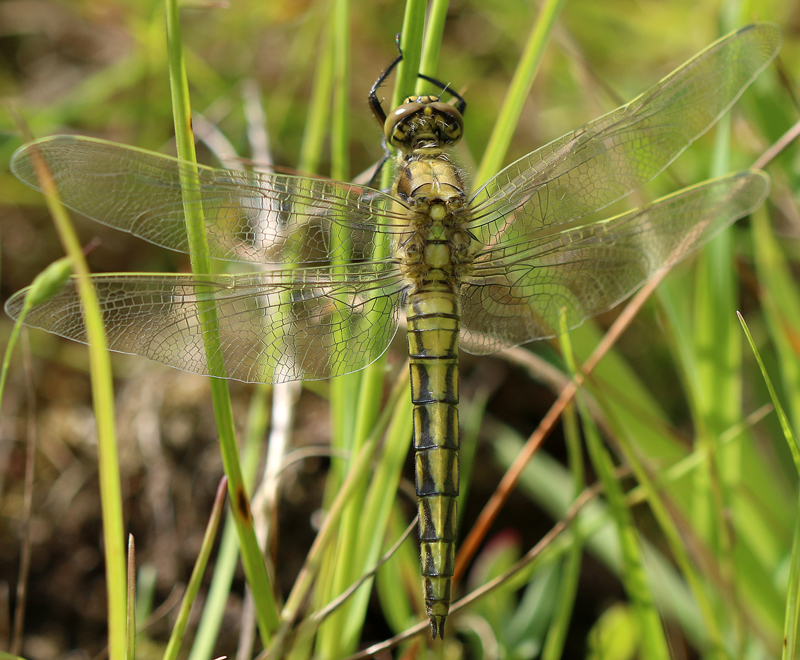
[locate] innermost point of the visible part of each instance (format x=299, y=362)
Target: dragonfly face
x=423, y=125
x=510, y=263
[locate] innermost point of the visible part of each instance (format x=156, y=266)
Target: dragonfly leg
x=375, y=103
x=372, y=99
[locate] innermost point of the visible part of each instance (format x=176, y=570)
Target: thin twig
x=27, y=505
x=512, y=476
x=781, y=144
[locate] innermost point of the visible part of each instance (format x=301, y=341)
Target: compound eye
x=449, y=121
x=392, y=129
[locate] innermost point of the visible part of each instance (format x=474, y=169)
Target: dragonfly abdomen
x=433, y=326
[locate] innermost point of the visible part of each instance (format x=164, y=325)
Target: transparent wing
x=274, y=326
x=601, y=162
x=517, y=292
x=249, y=216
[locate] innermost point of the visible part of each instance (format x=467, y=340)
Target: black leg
x=372, y=99
x=375, y=103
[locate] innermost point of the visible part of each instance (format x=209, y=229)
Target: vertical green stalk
x=669, y=528
x=411, y=45
x=329, y=68
x=131, y=651
x=228, y=552
x=357, y=475
x=340, y=134
x=433, y=41
x=103, y=400
x=193, y=586
x=318, y=111
x=255, y=569
x=375, y=506
x=317, y=127
x=792, y=608
x=353, y=399
x=344, y=389
x=344, y=399
x=570, y=575
x=356, y=398
x=653, y=640
x=518, y=91
x=718, y=391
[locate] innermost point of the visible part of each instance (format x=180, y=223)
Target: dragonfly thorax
x=423, y=124
x=425, y=181
x=437, y=248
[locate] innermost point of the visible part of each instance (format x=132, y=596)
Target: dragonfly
x=512, y=262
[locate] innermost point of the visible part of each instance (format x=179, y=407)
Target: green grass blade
x=362, y=535
x=717, y=390
x=103, y=400
x=43, y=287
x=792, y=612
x=654, y=643
x=340, y=134
x=344, y=390
x=670, y=531
x=131, y=651
x=332, y=89
x=717, y=342
x=781, y=302
x=786, y=427
x=411, y=45
x=518, y=91
x=317, y=122
x=432, y=44
x=570, y=575
x=178, y=630
x=305, y=581
x=398, y=577
x=228, y=554
x=255, y=570
x=379, y=499
x=359, y=400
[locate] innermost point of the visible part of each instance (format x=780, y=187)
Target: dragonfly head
x=423, y=124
